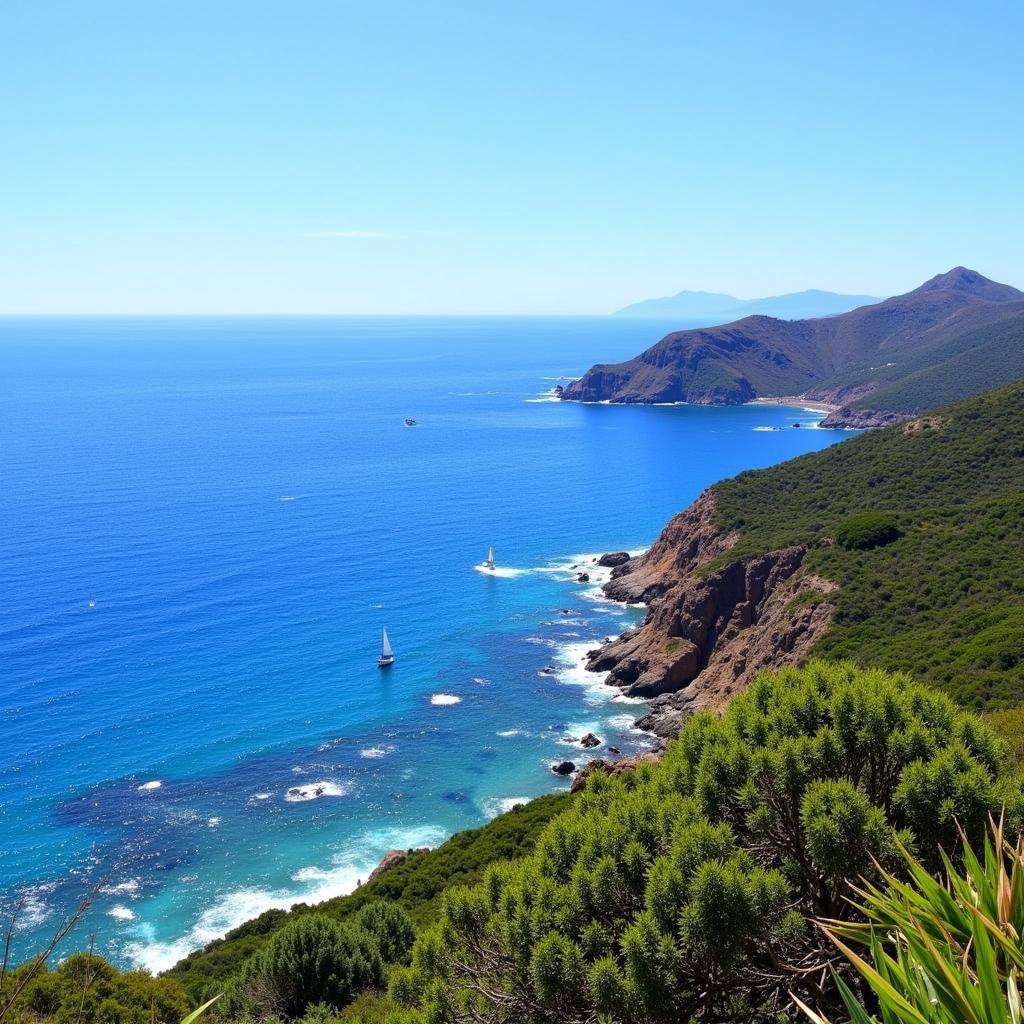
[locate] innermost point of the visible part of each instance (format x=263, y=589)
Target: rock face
x=707, y=635
x=388, y=861
x=623, y=764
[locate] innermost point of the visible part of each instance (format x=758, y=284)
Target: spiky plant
x=940, y=953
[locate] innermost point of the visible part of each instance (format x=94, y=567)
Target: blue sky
x=532, y=157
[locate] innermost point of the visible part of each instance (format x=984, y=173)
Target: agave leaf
x=196, y=1014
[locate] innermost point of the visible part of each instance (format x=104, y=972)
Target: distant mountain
x=955, y=336
x=719, y=308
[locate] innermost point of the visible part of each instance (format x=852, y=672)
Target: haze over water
x=205, y=523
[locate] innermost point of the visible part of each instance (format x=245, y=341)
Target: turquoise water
x=206, y=522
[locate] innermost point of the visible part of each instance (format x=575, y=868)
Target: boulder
x=563, y=768
x=613, y=559
x=590, y=740
x=583, y=577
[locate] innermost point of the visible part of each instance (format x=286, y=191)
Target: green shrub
x=867, y=530
x=313, y=960
x=681, y=890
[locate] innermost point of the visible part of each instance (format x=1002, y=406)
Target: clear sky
x=477, y=157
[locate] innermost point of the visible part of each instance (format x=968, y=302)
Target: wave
x=496, y=805
x=443, y=699
x=506, y=733
x=120, y=913
x=154, y=784
x=313, y=885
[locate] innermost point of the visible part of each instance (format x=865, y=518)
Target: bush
x=681, y=890
x=867, y=530
x=311, y=961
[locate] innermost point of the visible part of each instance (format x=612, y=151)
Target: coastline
x=796, y=402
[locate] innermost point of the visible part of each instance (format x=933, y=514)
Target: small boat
x=409, y=422
x=489, y=561
x=387, y=656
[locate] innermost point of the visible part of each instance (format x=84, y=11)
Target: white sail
x=385, y=645
x=490, y=558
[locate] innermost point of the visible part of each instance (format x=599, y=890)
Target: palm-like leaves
x=941, y=953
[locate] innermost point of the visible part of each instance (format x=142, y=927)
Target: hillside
x=899, y=548
x=907, y=346
x=690, y=305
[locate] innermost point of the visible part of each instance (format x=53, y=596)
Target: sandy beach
x=797, y=401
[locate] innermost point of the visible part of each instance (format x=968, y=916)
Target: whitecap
x=154, y=784
x=213, y=822
x=315, y=790
x=373, y=753
x=128, y=887
x=511, y=732
x=288, y=497
x=480, y=681
x=121, y=913
x=442, y=699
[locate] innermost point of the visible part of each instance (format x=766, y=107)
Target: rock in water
x=583, y=577
x=563, y=768
x=613, y=558
x=590, y=740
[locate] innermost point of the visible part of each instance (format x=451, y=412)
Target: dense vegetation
x=414, y=884
x=85, y=989
x=945, y=599
x=684, y=889
x=969, y=364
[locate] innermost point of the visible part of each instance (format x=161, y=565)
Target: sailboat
x=489, y=562
x=387, y=656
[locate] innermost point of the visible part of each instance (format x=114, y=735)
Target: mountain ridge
x=842, y=359
x=688, y=304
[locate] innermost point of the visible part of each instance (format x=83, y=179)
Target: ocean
x=205, y=524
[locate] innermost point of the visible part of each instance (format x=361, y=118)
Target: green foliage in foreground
x=415, y=884
x=942, y=953
x=943, y=601
x=682, y=890
x=315, y=960
x=85, y=989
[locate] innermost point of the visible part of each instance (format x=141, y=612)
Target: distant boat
x=489, y=561
x=387, y=656
x=409, y=422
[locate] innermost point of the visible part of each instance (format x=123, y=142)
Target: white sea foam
x=571, y=668
x=505, y=733
x=315, y=790
x=503, y=572
x=128, y=887
x=496, y=805
x=442, y=699
x=480, y=681
x=313, y=884
x=288, y=497
x=155, y=784
x=121, y=913
x=768, y=429
x=374, y=753
x=213, y=822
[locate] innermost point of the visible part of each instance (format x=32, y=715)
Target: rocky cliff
x=707, y=633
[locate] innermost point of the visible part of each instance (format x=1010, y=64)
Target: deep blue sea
x=206, y=521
